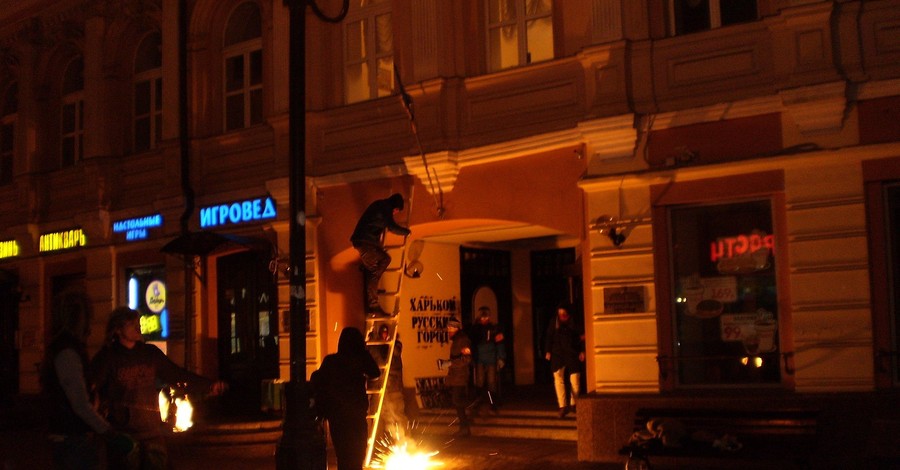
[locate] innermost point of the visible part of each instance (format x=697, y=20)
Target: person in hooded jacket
x=340, y=393
x=126, y=372
x=368, y=239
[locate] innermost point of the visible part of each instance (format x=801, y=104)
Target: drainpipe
x=186, y=189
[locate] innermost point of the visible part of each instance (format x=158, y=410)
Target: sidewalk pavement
x=23, y=446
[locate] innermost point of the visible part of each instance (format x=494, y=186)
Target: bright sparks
x=398, y=457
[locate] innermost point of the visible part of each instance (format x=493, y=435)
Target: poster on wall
x=428, y=317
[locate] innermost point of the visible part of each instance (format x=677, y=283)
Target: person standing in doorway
x=368, y=239
x=564, y=348
x=340, y=392
x=458, y=373
x=490, y=357
x=126, y=373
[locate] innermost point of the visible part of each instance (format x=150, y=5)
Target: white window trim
x=520, y=22
x=369, y=14
x=150, y=76
x=77, y=100
x=244, y=49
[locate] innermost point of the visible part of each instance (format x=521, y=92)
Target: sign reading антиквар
x=238, y=212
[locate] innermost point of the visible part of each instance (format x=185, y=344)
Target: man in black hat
x=368, y=239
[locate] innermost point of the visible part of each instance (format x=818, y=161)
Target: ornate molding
x=443, y=168
x=611, y=138
x=818, y=108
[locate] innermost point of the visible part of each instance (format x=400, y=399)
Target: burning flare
x=184, y=410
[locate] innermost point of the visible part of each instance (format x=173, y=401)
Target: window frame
x=368, y=15
x=154, y=115
x=715, y=17
x=768, y=185
x=878, y=177
x=75, y=100
x=245, y=50
x=521, y=23
x=8, y=120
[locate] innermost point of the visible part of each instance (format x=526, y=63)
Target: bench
x=725, y=438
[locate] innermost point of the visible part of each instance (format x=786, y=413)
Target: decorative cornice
x=818, y=108
x=611, y=138
x=442, y=166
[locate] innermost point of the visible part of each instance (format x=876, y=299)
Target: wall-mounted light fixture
x=610, y=226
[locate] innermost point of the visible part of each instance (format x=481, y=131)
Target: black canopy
x=205, y=242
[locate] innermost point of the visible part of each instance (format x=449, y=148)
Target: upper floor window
x=9, y=106
x=519, y=32
x=368, y=51
x=72, y=119
x=243, y=68
x=689, y=16
x=147, y=112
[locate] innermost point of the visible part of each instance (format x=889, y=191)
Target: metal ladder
x=376, y=389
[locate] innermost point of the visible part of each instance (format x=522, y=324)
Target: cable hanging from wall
x=407, y=102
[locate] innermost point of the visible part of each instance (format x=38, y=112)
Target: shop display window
x=147, y=294
x=725, y=300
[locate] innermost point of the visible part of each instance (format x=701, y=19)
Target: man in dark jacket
x=126, y=372
x=340, y=391
x=458, y=373
x=490, y=357
x=368, y=239
x=564, y=348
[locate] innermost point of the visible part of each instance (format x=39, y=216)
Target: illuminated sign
x=9, y=248
x=62, y=240
x=238, y=212
x=742, y=253
x=136, y=228
x=150, y=324
x=156, y=296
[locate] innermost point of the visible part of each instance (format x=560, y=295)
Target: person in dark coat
x=368, y=239
x=126, y=373
x=340, y=390
x=490, y=357
x=564, y=348
x=458, y=373
x=74, y=423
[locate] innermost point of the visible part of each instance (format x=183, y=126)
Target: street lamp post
x=302, y=443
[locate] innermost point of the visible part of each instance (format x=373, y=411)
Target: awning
x=206, y=242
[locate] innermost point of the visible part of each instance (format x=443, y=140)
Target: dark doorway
x=9, y=325
x=248, y=330
x=555, y=278
x=485, y=277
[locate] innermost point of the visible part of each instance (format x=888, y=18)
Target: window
x=243, y=68
x=368, y=51
x=725, y=305
x=519, y=32
x=72, y=119
x=146, y=289
x=9, y=106
x=689, y=16
x=147, y=110
x=892, y=218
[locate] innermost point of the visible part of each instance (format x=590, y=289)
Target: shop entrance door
x=9, y=324
x=555, y=278
x=248, y=329
x=488, y=272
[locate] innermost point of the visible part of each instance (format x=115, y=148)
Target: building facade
x=713, y=184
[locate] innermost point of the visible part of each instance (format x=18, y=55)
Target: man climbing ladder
x=368, y=239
